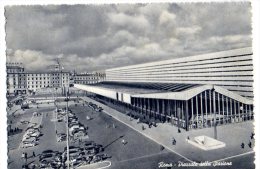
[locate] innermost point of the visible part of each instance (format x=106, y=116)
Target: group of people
x=250, y=141
x=16, y=129
x=25, y=155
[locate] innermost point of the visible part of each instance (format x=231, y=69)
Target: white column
x=218, y=105
x=223, y=108
x=192, y=110
x=201, y=109
x=169, y=108
x=197, y=111
x=250, y=112
x=231, y=108
x=175, y=108
x=158, y=107
x=210, y=107
x=227, y=107
x=182, y=110
x=235, y=109
x=238, y=108
x=206, y=108
x=246, y=112
x=243, y=114
x=215, y=118
x=163, y=107
x=186, y=115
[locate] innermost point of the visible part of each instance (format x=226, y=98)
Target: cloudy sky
x=97, y=37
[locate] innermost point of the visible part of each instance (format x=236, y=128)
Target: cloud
x=166, y=17
x=34, y=60
x=135, y=23
x=187, y=31
x=93, y=37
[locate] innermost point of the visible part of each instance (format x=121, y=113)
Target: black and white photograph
x=130, y=86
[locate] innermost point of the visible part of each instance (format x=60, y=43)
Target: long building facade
x=191, y=92
x=232, y=70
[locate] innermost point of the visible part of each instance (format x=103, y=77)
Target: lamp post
x=68, y=157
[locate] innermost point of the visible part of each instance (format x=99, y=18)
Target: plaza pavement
x=98, y=165
x=232, y=134
x=47, y=141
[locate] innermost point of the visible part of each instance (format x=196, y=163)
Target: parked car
x=25, y=106
x=30, y=139
x=87, y=143
x=71, y=148
x=28, y=144
x=99, y=148
x=61, y=137
x=35, y=134
x=54, y=156
x=28, y=135
x=72, y=154
x=77, y=162
x=31, y=130
x=96, y=159
x=47, y=151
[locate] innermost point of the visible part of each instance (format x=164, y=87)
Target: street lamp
x=68, y=161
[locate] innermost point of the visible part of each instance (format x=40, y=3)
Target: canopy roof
x=162, y=91
x=192, y=92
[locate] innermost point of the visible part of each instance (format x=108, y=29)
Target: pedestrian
x=250, y=144
x=188, y=138
x=252, y=135
x=179, y=131
x=25, y=156
x=242, y=145
x=33, y=154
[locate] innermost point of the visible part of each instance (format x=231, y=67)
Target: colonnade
x=197, y=112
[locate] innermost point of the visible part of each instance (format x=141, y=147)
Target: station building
x=190, y=92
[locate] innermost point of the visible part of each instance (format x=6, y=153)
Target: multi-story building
x=89, y=78
x=20, y=81
x=37, y=80
x=16, y=78
x=191, y=92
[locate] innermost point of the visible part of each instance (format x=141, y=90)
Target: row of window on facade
x=86, y=82
x=86, y=78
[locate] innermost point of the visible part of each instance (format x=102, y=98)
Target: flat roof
x=126, y=89
x=134, y=88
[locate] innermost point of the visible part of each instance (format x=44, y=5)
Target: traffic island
x=206, y=143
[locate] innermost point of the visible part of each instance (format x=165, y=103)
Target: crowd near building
x=190, y=92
